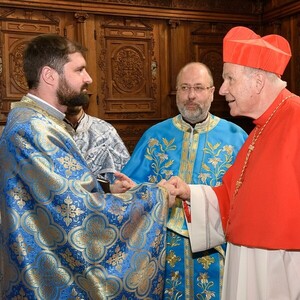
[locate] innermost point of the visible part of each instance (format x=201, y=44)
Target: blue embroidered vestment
x=61, y=236
x=199, y=155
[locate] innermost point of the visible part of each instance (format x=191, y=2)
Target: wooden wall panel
x=136, y=48
x=207, y=42
x=207, y=48
x=129, y=70
x=132, y=77
x=17, y=27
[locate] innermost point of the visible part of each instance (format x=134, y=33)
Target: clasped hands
x=175, y=186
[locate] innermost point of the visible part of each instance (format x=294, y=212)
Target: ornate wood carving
x=17, y=27
x=136, y=48
x=128, y=69
x=235, y=5
x=197, y=10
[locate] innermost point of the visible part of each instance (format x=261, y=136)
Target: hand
x=122, y=184
x=180, y=188
x=170, y=189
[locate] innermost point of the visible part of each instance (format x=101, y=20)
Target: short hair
x=271, y=76
x=199, y=65
x=47, y=50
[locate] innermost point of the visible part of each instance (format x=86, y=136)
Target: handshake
x=175, y=186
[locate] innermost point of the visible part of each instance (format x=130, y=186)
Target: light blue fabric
x=61, y=237
x=199, y=155
x=101, y=146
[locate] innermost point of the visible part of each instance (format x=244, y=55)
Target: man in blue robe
x=199, y=147
x=61, y=237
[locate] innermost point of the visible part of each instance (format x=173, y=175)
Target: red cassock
x=265, y=213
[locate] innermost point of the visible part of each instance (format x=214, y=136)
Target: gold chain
x=251, y=146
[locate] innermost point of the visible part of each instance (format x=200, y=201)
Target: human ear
x=259, y=82
x=48, y=75
x=212, y=93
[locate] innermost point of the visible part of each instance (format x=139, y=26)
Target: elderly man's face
x=238, y=89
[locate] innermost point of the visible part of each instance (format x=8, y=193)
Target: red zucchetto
x=244, y=47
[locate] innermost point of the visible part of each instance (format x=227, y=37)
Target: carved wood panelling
x=235, y=6
x=136, y=48
x=17, y=27
x=128, y=70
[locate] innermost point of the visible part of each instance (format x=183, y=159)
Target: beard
x=197, y=115
x=69, y=97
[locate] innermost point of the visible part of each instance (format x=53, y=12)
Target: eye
x=199, y=88
x=184, y=88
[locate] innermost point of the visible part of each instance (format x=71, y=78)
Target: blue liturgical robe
x=61, y=236
x=199, y=155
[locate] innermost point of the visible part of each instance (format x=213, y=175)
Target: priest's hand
x=170, y=189
x=180, y=188
x=122, y=183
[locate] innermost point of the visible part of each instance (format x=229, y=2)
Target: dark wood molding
x=97, y=7
x=281, y=11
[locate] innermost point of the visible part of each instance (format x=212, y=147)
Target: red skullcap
x=244, y=47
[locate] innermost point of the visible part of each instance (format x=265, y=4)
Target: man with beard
x=61, y=237
x=198, y=147
x=98, y=142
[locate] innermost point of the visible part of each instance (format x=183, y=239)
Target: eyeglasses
x=184, y=88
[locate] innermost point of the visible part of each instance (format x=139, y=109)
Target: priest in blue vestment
x=61, y=237
x=199, y=147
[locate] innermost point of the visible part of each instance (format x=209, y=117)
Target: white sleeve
x=205, y=229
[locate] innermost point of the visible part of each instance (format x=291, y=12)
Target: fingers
x=177, y=187
x=121, y=176
x=172, y=200
x=162, y=182
x=124, y=179
x=122, y=183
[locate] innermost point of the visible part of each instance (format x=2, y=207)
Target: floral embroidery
x=171, y=292
x=20, y=248
x=47, y=233
x=143, y=269
x=219, y=160
x=68, y=210
x=206, y=261
x=157, y=153
x=157, y=240
x=44, y=186
x=70, y=164
x=20, y=194
x=67, y=255
x=159, y=288
x=174, y=239
x=118, y=210
x=94, y=237
x=96, y=281
x=144, y=224
x=117, y=259
x=205, y=284
x=47, y=276
x=172, y=258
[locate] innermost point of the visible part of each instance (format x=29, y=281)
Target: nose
x=87, y=78
x=192, y=92
x=223, y=89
